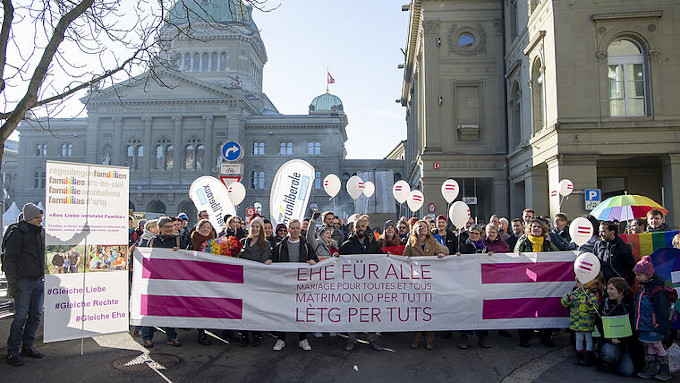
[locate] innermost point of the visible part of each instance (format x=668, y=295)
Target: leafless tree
x=52, y=49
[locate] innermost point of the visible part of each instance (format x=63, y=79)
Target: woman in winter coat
x=324, y=246
x=493, y=242
x=255, y=247
x=389, y=237
x=449, y=237
x=421, y=244
x=203, y=232
x=474, y=243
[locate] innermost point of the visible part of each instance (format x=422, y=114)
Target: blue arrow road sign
x=232, y=151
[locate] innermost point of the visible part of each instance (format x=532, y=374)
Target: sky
x=358, y=41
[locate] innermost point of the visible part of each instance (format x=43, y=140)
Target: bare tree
x=52, y=49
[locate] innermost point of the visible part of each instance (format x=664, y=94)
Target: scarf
x=536, y=242
x=197, y=239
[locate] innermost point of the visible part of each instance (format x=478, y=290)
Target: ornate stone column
x=92, y=154
x=208, y=144
x=432, y=108
x=148, y=152
x=117, y=141
x=179, y=148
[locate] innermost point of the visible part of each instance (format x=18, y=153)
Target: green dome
x=212, y=11
x=326, y=103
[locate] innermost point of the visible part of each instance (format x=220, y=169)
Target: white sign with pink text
x=351, y=293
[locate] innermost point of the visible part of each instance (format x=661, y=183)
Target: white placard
x=85, y=304
x=86, y=202
x=290, y=191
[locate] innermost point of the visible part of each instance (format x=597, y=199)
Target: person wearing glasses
x=402, y=230
x=281, y=232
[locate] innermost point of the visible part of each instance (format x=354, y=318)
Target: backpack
x=9, y=230
x=671, y=297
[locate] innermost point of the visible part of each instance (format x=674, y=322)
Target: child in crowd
x=619, y=354
x=583, y=306
x=652, y=320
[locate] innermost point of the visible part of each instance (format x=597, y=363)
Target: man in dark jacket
x=559, y=234
x=25, y=271
x=165, y=239
x=293, y=248
x=517, y=231
x=615, y=255
x=361, y=242
x=656, y=221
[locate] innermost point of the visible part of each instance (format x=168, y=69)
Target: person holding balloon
x=422, y=244
x=583, y=307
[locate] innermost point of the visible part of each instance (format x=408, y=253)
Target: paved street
x=327, y=362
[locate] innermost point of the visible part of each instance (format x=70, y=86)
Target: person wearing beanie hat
x=389, y=237
x=281, y=231
x=651, y=320
x=24, y=265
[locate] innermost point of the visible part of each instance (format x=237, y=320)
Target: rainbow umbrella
x=625, y=207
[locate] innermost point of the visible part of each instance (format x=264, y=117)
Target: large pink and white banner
x=351, y=293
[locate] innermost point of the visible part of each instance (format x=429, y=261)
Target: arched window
x=258, y=148
x=134, y=154
x=163, y=155
x=129, y=156
x=317, y=180
x=139, y=161
x=169, y=157
x=196, y=66
x=289, y=148
x=537, y=96
x=310, y=148
x=213, y=62
x=160, y=157
x=516, y=111
x=626, y=72
x=223, y=61
x=205, y=62
x=258, y=180
x=194, y=152
x=317, y=148
x=187, y=61
x=282, y=150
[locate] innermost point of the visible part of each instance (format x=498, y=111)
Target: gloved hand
x=12, y=288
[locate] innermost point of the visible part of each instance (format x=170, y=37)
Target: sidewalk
x=327, y=362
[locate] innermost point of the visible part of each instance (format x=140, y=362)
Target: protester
x=528, y=215
x=293, y=248
x=361, y=242
x=582, y=312
x=184, y=226
x=140, y=228
x=132, y=234
x=255, y=247
x=494, y=243
x=618, y=354
x=517, y=232
x=559, y=234
x=637, y=226
x=329, y=219
x=422, y=244
x=281, y=232
x=150, y=231
x=449, y=237
x=656, y=221
x=403, y=230
x=616, y=257
x=233, y=228
x=651, y=320
x=473, y=245
x=324, y=246
x=503, y=228
x=165, y=239
x=535, y=240
x=269, y=233
x=389, y=237
x=24, y=266
x=202, y=233
x=304, y=227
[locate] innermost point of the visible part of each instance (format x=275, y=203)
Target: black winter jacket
x=353, y=246
x=280, y=251
x=25, y=252
x=616, y=259
x=167, y=242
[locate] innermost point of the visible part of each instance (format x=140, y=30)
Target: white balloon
x=450, y=190
x=586, y=267
x=581, y=230
x=401, y=190
x=415, y=200
x=331, y=184
x=355, y=186
x=459, y=214
x=565, y=187
x=369, y=189
x=237, y=192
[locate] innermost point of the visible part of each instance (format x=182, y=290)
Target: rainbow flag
x=646, y=243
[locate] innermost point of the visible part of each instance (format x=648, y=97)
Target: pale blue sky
x=358, y=41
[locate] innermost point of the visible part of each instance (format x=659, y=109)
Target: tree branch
x=7, y=18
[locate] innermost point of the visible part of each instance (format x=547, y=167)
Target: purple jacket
x=497, y=246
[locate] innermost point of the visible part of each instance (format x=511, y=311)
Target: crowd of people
x=624, y=287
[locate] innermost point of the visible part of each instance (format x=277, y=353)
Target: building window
x=516, y=119
x=39, y=179
x=165, y=153
x=314, y=148
x=205, y=62
x=187, y=61
x=197, y=63
x=223, y=61
x=258, y=148
x=286, y=148
x=537, y=96
x=134, y=154
x=194, y=153
x=626, y=72
x=139, y=160
x=213, y=62
x=41, y=150
x=513, y=19
x=466, y=40
x=317, y=180
x=177, y=62
x=258, y=180
x=66, y=150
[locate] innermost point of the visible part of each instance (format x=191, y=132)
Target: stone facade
x=585, y=90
